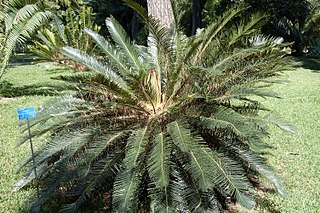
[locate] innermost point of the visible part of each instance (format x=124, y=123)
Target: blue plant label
x=25, y=113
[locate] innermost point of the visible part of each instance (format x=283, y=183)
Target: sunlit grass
x=28, y=79
x=297, y=156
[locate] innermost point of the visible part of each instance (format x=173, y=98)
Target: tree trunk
x=135, y=26
x=161, y=10
x=197, y=7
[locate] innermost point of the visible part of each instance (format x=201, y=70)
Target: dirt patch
x=5, y=100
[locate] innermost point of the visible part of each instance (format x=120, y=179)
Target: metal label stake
x=26, y=113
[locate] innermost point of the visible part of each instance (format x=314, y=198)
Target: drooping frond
x=159, y=161
x=127, y=181
x=229, y=176
x=61, y=171
x=125, y=191
x=99, y=175
x=184, y=189
x=99, y=67
x=25, y=22
x=216, y=173
x=159, y=171
x=63, y=114
x=216, y=123
x=258, y=164
x=136, y=145
x=182, y=138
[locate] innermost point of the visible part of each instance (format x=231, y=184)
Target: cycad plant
x=22, y=19
x=47, y=45
x=168, y=127
x=49, y=42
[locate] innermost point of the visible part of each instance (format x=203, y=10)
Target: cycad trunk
x=161, y=10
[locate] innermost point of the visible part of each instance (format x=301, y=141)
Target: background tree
x=190, y=17
x=197, y=7
x=162, y=11
x=124, y=14
x=282, y=13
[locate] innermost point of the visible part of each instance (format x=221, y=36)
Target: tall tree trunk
x=161, y=10
x=197, y=7
x=135, y=26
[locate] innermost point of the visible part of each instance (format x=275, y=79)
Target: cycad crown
x=166, y=127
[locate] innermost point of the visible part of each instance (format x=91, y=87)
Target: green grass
x=296, y=156
x=24, y=58
x=30, y=80
x=27, y=80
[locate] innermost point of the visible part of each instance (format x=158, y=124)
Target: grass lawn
x=296, y=156
x=24, y=82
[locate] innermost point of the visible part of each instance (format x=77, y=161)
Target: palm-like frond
x=111, y=52
x=182, y=138
x=47, y=45
x=21, y=24
x=127, y=181
x=258, y=164
x=210, y=33
x=213, y=172
x=249, y=29
x=22, y=20
x=121, y=38
x=159, y=161
x=159, y=171
x=171, y=126
x=312, y=23
x=230, y=177
x=98, y=66
x=49, y=41
x=99, y=175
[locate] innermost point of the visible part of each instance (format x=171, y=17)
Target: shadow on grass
x=309, y=63
x=97, y=203
x=263, y=203
x=27, y=207
x=9, y=90
x=24, y=58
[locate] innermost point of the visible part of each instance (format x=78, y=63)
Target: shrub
x=171, y=126
x=49, y=43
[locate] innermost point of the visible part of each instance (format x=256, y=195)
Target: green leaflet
x=112, y=53
x=127, y=181
x=183, y=139
x=159, y=171
x=213, y=173
x=120, y=37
